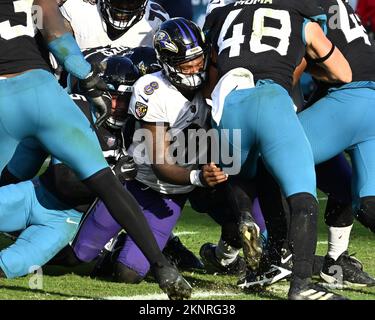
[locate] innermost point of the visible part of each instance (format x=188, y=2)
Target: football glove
x=125, y=169
x=95, y=90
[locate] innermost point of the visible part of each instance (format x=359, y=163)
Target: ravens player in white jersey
x=113, y=22
x=161, y=188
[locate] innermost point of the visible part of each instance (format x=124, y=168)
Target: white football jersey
x=90, y=29
x=156, y=100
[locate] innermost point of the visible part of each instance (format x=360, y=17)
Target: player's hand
x=212, y=175
x=95, y=90
x=125, y=168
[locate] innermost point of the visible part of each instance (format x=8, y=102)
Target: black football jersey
x=348, y=34
x=19, y=50
x=264, y=36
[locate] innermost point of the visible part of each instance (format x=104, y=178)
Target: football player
x=49, y=208
x=113, y=22
x=26, y=91
x=246, y=53
x=350, y=107
x=161, y=187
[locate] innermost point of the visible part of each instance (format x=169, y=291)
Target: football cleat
x=171, y=282
x=346, y=270
x=180, y=256
x=213, y=265
x=267, y=278
x=104, y=266
x=303, y=289
x=251, y=242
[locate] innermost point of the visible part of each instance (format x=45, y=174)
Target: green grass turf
x=63, y=283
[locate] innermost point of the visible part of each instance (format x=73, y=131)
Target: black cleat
x=180, y=256
x=273, y=267
x=171, y=282
x=212, y=263
x=303, y=289
x=251, y=241
x=104, y=266
x=346, y=270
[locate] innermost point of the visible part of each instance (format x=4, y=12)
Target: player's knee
x=7, y=178
x=366, y=212
x=124, y=274
x=303, y=204
x=338, y=214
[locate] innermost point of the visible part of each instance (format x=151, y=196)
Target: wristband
x=195, y=178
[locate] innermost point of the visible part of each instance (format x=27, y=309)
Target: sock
x=338, y=241
x=225, y=253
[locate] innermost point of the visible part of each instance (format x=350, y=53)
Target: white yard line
x=161, y=296
x=185, y=233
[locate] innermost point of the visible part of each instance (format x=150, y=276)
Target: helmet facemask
x=187, y=81
x=122, y=14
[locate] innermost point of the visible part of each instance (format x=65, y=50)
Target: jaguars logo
x=163, y=40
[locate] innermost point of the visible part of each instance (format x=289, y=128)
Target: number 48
x=258, y=32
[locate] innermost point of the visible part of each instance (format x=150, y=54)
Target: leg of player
x=162, y=213
x=25, y=163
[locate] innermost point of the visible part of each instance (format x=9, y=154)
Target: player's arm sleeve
x=61, y=42
x=311, y=11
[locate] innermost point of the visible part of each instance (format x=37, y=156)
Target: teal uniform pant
x=34, y=105
x=47, y=227
x=270, y=128
x=345, y=120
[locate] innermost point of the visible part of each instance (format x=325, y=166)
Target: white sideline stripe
x=323, y=198
x=322, y=242
x=161, y=296
x=185, y=233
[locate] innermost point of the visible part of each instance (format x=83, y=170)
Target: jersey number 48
x=259, y=31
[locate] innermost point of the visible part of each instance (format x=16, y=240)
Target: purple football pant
x=161, y=212
x=258, y=215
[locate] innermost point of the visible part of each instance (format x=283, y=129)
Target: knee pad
x=126, y=275
x=366, y=212
x=338, y=214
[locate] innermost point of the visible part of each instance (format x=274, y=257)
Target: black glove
x=95, y=90
x=125, y=168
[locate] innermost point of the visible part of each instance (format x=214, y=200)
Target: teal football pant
x=270, y=127
x=344, y=120
x=24, y=206
x=34, y=105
